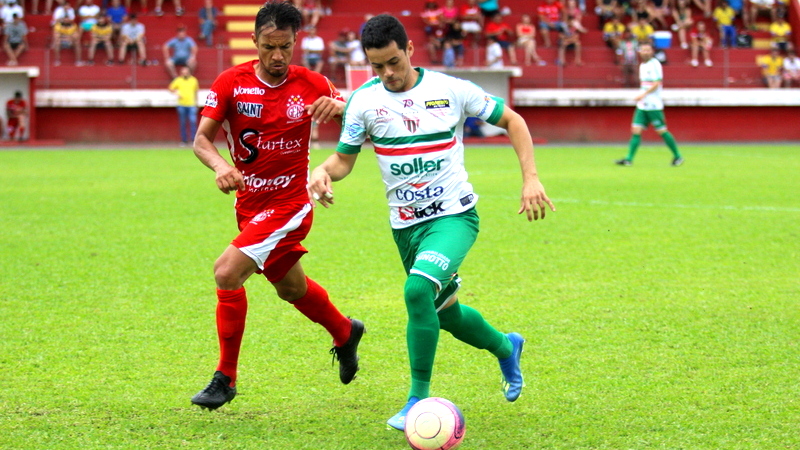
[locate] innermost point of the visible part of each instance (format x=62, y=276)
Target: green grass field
x=660, y=306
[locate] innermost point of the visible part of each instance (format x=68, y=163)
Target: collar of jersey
x=419, y=80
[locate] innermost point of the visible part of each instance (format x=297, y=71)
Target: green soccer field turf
x=659, y=304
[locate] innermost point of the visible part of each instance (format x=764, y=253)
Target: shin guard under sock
x=318, y=308
x=231, y=315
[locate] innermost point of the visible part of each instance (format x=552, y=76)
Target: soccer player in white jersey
x=414, y=118
x=650, y=108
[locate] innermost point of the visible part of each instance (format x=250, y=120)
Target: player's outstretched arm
x=336, y=167
x=228, y=178
x=325, y=108
x=534, y=201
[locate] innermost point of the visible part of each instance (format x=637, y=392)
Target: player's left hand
x=534, y=201
x=324, y=109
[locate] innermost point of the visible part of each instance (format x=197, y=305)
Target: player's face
x=646, y=52
x=275, y=50
x=393, y=66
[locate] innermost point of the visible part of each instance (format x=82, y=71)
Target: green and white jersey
x=417, y=137
x=650, y=72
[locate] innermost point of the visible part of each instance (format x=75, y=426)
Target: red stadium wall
x=554, y=124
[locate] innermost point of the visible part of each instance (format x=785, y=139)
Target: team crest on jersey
x=295, y=107
x=211, y=100
x=411, y=123
x=262, y=215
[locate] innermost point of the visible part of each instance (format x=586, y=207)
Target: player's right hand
x=319, y=187
x=230, y=179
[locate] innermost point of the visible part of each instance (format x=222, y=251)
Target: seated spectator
x=160, y=12
x=311, y=10
x=434, y=29
x=184, y=53
x=472, y=21
x=550, y=16
x=132, y=38
x=207, y=16
x=117, y=14
x=312, y=46
x=356, y=56
x=66, y=34
x=771, y=66
x=489, y=8
x=569, y=37
x=449, y=13
x=682, y=14
x=88, y=13
x=142, y=6
x=704, y=6
x=643, y=31
x=781, y=32
x=701, y=43
x=791, y=69
x=504, y=35
x=612, y=33
x=62, y=11
x=573, y=16
x=15, y=39
x=758, y=7
x=628, y=58
x=9, y=9
x=454, y=37
x=494, y=53
x=102, y=32
x=724, y=16
x=526, y=40
x=607, y=10
x=339, y=53
x=658, y=11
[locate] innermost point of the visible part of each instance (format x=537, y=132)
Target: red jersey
x=267, y=130
x=550, y=11
x=14, y=108
x=501, y=30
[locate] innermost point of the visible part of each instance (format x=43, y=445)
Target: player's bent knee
x=227, y=278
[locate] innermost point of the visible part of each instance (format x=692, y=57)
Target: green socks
x=422, y=333
x=468, y=326
x=633, y=145
x=670, y=141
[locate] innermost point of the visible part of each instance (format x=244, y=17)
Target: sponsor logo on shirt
x=211, y=100
x=295, y=107
x=407, y=103
x=267, y=184
x=466, y=200
x=435, y=257
x=417, y=166
x=410, y=195
x=411, y=213
x=487, y=100
x=238, y=90
x=252, y=145
x=249, y=109
x=354, y=130
x=437, y=104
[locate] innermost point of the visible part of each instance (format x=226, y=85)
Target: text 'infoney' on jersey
x=418, y=140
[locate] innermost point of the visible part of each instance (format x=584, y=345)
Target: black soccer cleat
x=217, y=393
x=677, y=162
x=347, y=355
x=623, y=162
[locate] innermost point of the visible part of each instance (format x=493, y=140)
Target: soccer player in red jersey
x=17, y=113
x=265, y=108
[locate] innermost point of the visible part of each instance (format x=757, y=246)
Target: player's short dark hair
x=381, y=30
x=279, y=15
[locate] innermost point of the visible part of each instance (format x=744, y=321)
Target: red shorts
x=13, y=122
x=272, y=238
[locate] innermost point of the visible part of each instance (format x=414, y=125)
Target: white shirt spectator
x=494, y=56
x=61, y=12
x=9, y=9
x=312, y=44
x=88, y=14
x=357, y=56
x=791, y=64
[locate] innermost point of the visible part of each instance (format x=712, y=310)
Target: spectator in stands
x=573, y=16
x=771, y=66
x=364, y=23
x=489, y=8
x=142, y=6
x=434, y=29
x=682, y=14
x=607, y=10
x=701, y=43
x=62, y=11
x=66, y=34
x=759, y=7
x=724, y=16
x=9, y=9
x=569, y=37
x=15, y=39
x=472, y=21
x=781, y=32
x=643, y=31
x=356, y=56
x=160, y=12
x=658, y=11
x=312, y=45
x=791, y=69
x=185, y=87
x=612, y=33
x=704, y=6
x=449, y=13
x=494, y=53
x=102, y=33
x=183, y=51
x=550, y=19
x=117, y=14
x=311, y=10
x=132, y=38
x=526, y=40
x=628, y=58
x=503, y=34
x=339, y=53
x=207, y=17
x=88, y=13
x=454, y=37
x=17, y=114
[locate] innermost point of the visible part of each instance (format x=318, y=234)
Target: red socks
x=231, y=314
x=318, y=308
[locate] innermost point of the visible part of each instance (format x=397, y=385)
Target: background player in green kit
x=414, y=118
x=649, y=108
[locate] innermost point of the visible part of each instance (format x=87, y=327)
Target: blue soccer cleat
x=512, y=373
x=398, y=421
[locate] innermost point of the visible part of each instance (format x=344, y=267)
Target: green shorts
x=642, y=118
x=435, y=249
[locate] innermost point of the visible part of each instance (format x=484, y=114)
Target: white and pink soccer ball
x=434, y=423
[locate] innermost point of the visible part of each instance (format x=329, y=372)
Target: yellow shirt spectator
x=611, y=28
x=64, y=30
x=643, y=33
x=780, y=30
x=724, y=16
x=186, y=88
x=101, y=31
x=770, y=65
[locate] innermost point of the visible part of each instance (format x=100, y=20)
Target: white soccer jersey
x=417, y=137
x=651, y=72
